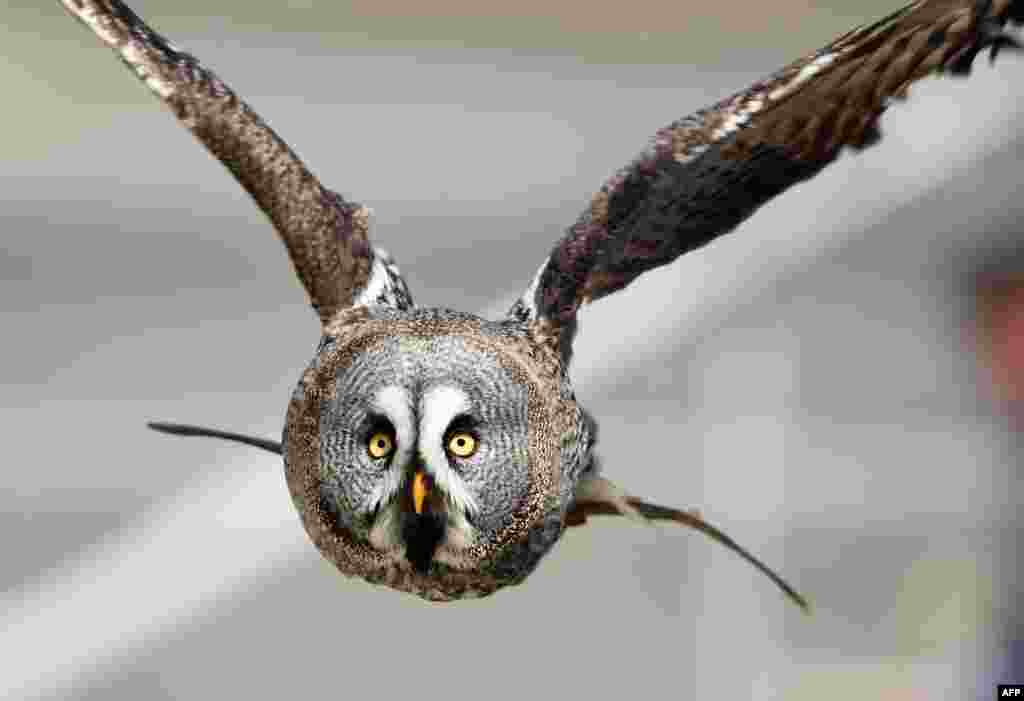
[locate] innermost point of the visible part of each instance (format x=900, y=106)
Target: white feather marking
x=134, y=57
x=740, y=115
x=376, y=285
x=805, y=74
x=385, y=284
x=438, y=407
x=395, y=403
x=690, y=153
x=88, y=15
x=103, y=28
x=734, y=122
x=529, y=297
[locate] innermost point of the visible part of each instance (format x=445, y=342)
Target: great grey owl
x=444, y=454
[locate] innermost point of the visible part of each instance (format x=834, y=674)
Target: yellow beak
x=421, y=484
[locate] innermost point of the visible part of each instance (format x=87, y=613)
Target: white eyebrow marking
x=394, y=403
x=438, y=407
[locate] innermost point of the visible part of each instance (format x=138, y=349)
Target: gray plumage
x=443, y=454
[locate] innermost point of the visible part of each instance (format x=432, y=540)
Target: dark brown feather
x=704, y=174
x=326, y=236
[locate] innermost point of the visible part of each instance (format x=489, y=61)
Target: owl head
x=434, y=451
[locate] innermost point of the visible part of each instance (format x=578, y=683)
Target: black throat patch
x=422, y=533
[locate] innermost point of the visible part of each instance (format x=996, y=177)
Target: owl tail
x=596, y=496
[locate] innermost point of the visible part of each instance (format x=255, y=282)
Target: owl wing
x=326, y=235
x=701, y=176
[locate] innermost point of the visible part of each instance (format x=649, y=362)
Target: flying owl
x=444, y=454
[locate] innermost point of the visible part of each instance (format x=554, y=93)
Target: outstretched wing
x=702, y=175
x=326, y=235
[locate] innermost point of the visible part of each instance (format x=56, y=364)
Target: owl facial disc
x=424, y=451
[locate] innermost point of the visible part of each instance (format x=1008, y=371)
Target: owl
x=442, y=454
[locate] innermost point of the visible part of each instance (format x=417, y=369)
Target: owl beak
x=423, y=529
x=422, y=484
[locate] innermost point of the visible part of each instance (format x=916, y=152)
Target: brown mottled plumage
x=326, y=236
x=391, y=384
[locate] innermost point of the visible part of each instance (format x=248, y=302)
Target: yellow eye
x=462, y=444
x=380, y=445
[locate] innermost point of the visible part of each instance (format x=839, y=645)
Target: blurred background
x=838, y=384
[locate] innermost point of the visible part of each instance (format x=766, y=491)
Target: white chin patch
x=438, y=406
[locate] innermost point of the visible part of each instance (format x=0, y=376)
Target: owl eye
x=380, y=445
x=462, y=444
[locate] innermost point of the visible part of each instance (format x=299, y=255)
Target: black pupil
x=460, y=442
x=380, y=443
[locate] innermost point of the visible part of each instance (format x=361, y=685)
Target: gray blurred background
x=811, y=383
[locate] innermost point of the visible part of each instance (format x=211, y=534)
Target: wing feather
x=702, y=175
x=326, y=236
